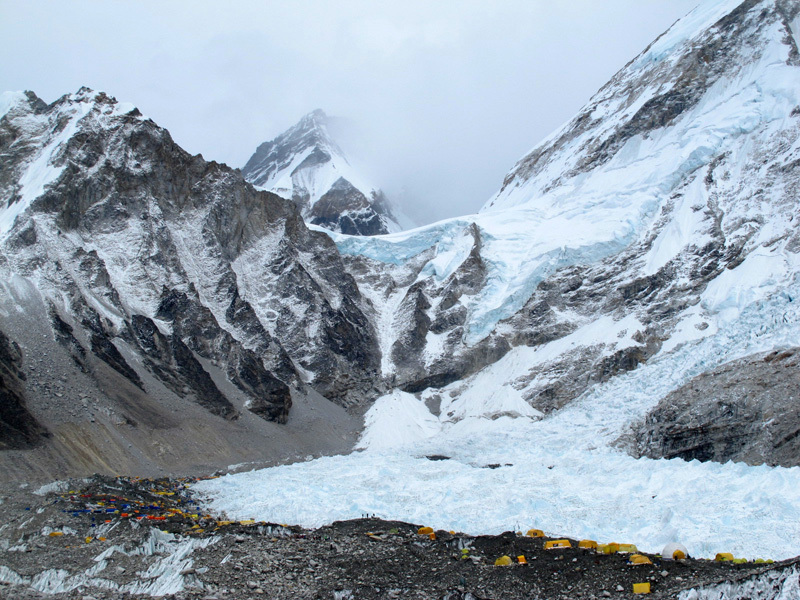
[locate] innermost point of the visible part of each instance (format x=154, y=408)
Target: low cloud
x=446, y=95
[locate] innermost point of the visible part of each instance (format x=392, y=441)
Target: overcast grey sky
x=447, y=95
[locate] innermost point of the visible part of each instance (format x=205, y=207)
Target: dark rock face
x=747, y=411
x=407, y=349
x=270, y=397
x=345, y=209
x=19, y=429
x=439, y=307
x=176, y=366
x=195, y=323
x=64, y=334
x=104, y=349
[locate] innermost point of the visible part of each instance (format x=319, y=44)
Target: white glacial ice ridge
x=774, y=585
x=172, y=556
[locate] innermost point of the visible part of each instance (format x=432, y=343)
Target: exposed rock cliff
x=747, y=410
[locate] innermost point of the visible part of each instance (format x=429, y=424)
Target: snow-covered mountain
x=153, y=293
x=651, y=219
x=630, y=292
x=649, y=241
x=304, y=164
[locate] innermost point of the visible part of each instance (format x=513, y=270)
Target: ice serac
x=304, y=164
x=141, y=281
x=651, y=219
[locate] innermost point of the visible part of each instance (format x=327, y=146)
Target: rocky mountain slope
x=651, y=220
x=140, y=282
x=746, y=410
x=146, y=288
x=304, y=164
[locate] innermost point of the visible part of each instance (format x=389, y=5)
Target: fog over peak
x=437, y=101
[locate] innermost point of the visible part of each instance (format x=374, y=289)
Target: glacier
x=561, y=474
x=604, y=187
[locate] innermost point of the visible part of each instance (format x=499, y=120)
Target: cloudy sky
x=445, y=95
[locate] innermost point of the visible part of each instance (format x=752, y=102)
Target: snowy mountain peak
x=42, y=138
x=311, y=132
x=15, y=100
x=719, y=55
x=304, y=164
x=316, y=121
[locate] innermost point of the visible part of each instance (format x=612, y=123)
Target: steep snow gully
x=504, y=362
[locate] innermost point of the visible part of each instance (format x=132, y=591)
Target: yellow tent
x=723, y=557
x=535, y=533
x=674, y=551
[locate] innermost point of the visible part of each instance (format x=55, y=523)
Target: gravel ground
x=106, y=538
